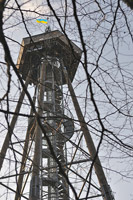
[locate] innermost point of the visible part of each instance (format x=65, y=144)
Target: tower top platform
x=53, y=44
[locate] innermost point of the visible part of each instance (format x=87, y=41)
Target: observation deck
x=54, y=44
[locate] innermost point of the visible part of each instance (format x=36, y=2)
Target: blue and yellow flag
x=44, y=21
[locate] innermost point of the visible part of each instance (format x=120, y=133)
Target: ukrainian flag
x=44, y=21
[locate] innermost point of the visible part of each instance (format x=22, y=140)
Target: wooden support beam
x=12, y=125
x=24, y=157
x=106, y=193
x=35, y=182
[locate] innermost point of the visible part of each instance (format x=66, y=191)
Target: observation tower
x=44, y=57
x=47, y=62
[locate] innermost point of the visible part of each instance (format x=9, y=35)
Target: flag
x=44, y=21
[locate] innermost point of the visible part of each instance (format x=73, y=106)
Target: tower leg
x=25, y=154
x=105, y=189
x=35, y=181
x=12, y=125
